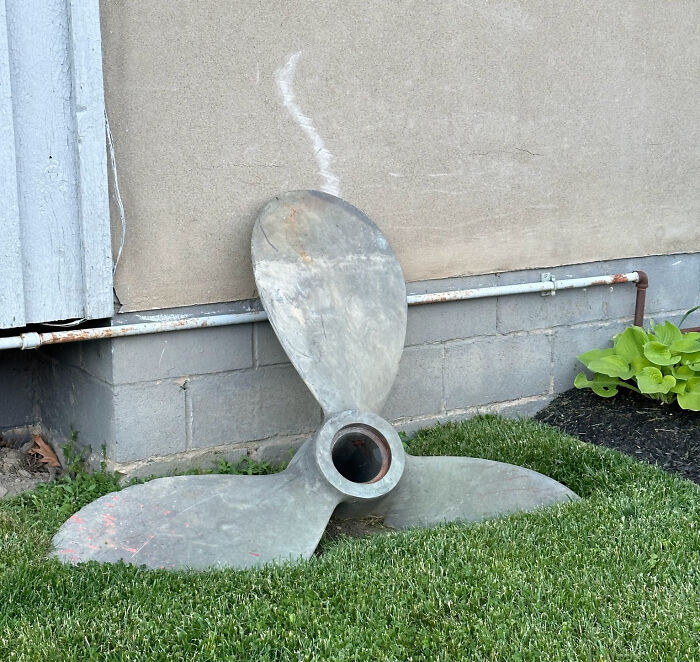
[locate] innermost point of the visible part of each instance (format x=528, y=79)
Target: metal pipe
x=642, y=285
x=31, y=340
x=521, y=288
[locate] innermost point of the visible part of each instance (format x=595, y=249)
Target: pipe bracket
x=548, y=277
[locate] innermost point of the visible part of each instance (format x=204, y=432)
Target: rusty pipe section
x=32, y=339
x=642, y=285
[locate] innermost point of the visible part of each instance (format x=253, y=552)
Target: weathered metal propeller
x=335, y=295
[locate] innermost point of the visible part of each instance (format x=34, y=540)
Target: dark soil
x=351, y=527
x=648, y=430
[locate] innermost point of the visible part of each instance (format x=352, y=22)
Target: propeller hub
x=360, y=455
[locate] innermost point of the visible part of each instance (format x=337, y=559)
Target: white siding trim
x=93, y=196
x=12, y=313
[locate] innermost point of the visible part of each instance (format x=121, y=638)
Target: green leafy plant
x=662, y=363
x=76, y=456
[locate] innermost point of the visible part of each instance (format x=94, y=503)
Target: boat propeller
x=336, y=297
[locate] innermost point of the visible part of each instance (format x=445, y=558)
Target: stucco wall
x=481, y=137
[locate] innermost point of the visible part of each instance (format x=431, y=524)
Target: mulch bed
x=662, y=434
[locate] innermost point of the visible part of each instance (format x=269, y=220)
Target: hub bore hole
x=360, y=453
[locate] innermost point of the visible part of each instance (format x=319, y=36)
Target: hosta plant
x=661, y=363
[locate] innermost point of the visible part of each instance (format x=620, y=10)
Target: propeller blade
x=202, y=521
x=335, y=295
x=446, y=489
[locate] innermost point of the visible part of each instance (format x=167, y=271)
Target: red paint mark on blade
x=253, y=553
x=77, y=519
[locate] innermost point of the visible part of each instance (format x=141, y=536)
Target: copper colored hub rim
x=361, y=454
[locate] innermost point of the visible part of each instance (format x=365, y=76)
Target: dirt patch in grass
x=661, y=434
x=20, y=470
x=351, y=528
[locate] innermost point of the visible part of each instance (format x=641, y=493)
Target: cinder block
x=174, y=464
x=674, y=283
x=568, y=343
x=179, y=353
x=17, y=388
x=517, y=409
x=496, y=369
x=437, y=322
x=96, y=359
x=69, y=354
x=417, y=390
x=411, y=426
x=250, y=405
x=72, y=400
x=453, y=320
x=268, y=350
x=277, y=451
x=525, y=312
x=149, y=419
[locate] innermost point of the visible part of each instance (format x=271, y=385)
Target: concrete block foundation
x=160, y=403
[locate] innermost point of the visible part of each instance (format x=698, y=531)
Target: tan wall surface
x=481, y=136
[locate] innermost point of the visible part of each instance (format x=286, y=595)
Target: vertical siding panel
x=93, y=196
x=55, y=247
x=11, y=283
x=46, y=167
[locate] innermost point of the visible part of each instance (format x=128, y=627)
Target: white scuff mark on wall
x=285, y=82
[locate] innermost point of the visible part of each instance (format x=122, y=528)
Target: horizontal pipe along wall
x=154, y=403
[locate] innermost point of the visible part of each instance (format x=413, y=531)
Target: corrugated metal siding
x=55, y=256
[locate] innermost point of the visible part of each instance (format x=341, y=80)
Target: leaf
x=659, y=353
x=652, y=380
x=612, y=366
x=594, y=354
x=667, y=333
x=679, y=388
x=44, y=452
x=691, y=398
x=690, y=359
x=630, y=343
x=604, y=386
x=581, y=381
x=682, y=372
x=686, y=345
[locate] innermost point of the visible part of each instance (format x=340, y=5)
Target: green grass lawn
x=615, y=576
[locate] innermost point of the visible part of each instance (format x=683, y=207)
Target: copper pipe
x=642, y=285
